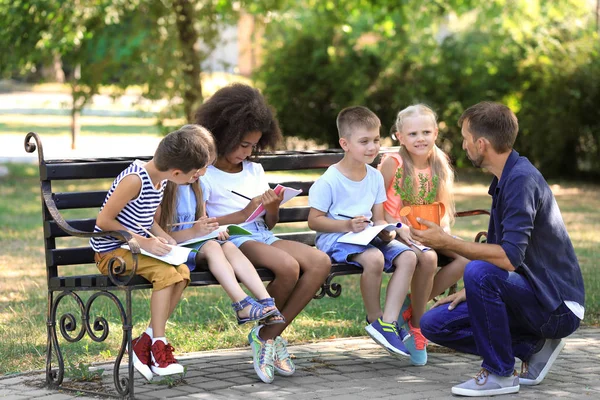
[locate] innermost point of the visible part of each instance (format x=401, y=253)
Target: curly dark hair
x=234, y=111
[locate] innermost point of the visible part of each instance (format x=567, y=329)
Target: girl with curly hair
x=242, y=122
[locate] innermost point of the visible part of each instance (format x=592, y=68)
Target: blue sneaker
x=405, y=312
x=388, y=336
x=416, y=344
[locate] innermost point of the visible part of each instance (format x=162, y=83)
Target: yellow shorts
x=159, y=273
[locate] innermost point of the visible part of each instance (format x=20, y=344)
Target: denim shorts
x=342, y=252
x=260, y=233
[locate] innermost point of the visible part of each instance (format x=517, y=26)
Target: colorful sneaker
x=488, y=384
x=416, y=344
x=534, y=371
x=282, y=362
x=388, y=336
x=141, y=355
x=163, y=361
x=262, y=355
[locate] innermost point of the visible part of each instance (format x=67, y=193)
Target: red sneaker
x=141, y=355
x=163, y=361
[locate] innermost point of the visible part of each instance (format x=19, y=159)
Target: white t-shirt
x=217, y=185
x=333, y=193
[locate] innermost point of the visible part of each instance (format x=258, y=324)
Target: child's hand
x=155, y=245
x=205, y=225
x=387, y=236
x=171, y=241
x=271, y=201
x=223, y=235
x=253, y=205
x=358, y=224
x=404, y=234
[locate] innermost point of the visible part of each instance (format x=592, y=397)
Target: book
x=365, y=236
x=177, y=256
x=232, y=229
x=288, y=194
x=420, y=246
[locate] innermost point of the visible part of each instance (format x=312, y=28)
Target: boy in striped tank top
x=130, y=205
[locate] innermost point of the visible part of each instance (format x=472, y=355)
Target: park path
x=350, y=368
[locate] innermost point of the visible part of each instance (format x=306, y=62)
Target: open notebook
x=177, y=256
x=365, y=236
x=231, y=228
x=288, y=194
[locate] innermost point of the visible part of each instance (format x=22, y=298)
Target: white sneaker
x=535, y=370
x=488, y=384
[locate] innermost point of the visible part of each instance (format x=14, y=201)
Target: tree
x=538, y=57
x=119, y=42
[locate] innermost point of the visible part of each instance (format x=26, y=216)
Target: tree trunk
x=188, y=39
x=75, y=107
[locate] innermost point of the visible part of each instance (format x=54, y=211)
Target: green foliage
x=81, y=372
x=540, y=58
x=405, y=188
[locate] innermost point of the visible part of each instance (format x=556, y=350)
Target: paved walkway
x=353, y=368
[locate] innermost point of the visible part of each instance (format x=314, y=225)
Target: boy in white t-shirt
x=353, y=188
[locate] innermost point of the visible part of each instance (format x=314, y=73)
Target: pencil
x=347, y=216
x=146, y=230
x=183, y=223
x=241, y=195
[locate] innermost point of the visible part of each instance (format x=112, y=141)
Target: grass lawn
x=204, y=320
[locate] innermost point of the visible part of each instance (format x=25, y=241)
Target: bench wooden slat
x=74, y=200
x=70, y=256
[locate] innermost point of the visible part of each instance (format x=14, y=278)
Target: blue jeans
x=501, y=319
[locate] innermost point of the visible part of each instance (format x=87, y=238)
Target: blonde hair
x=438, y=160
x=169, y=202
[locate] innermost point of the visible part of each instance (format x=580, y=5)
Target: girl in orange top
x=416, y=130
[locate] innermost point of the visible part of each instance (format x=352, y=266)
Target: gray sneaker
x=488, y=384
x=535, y=370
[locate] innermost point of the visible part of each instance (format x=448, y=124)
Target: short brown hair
x=190, y=147
x=493, y=121
x=355, y=117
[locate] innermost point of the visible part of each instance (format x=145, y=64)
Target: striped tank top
x=140, y=210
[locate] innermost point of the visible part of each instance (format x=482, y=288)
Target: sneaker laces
x=524, y=368
x=166, y=354
x=281, y=351
x=266, y=353
x=481, y=376
x=420, y=340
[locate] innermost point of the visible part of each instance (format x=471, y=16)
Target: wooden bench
x=61, y=285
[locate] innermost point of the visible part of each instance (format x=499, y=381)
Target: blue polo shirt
x=526, y=222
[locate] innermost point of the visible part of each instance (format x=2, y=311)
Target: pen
x=241, y=195
x=347, y=216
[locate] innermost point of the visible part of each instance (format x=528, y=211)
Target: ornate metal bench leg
x=53, y=377
x=98, y=331
x=328, y=288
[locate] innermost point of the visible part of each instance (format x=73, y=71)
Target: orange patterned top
x=393, y=204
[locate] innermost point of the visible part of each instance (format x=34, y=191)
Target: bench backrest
x=73, y=171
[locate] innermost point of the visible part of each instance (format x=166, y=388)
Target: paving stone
x=353, y=368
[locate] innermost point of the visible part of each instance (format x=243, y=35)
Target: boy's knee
x=372, y=260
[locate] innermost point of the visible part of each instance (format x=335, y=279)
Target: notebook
x=288, y=194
